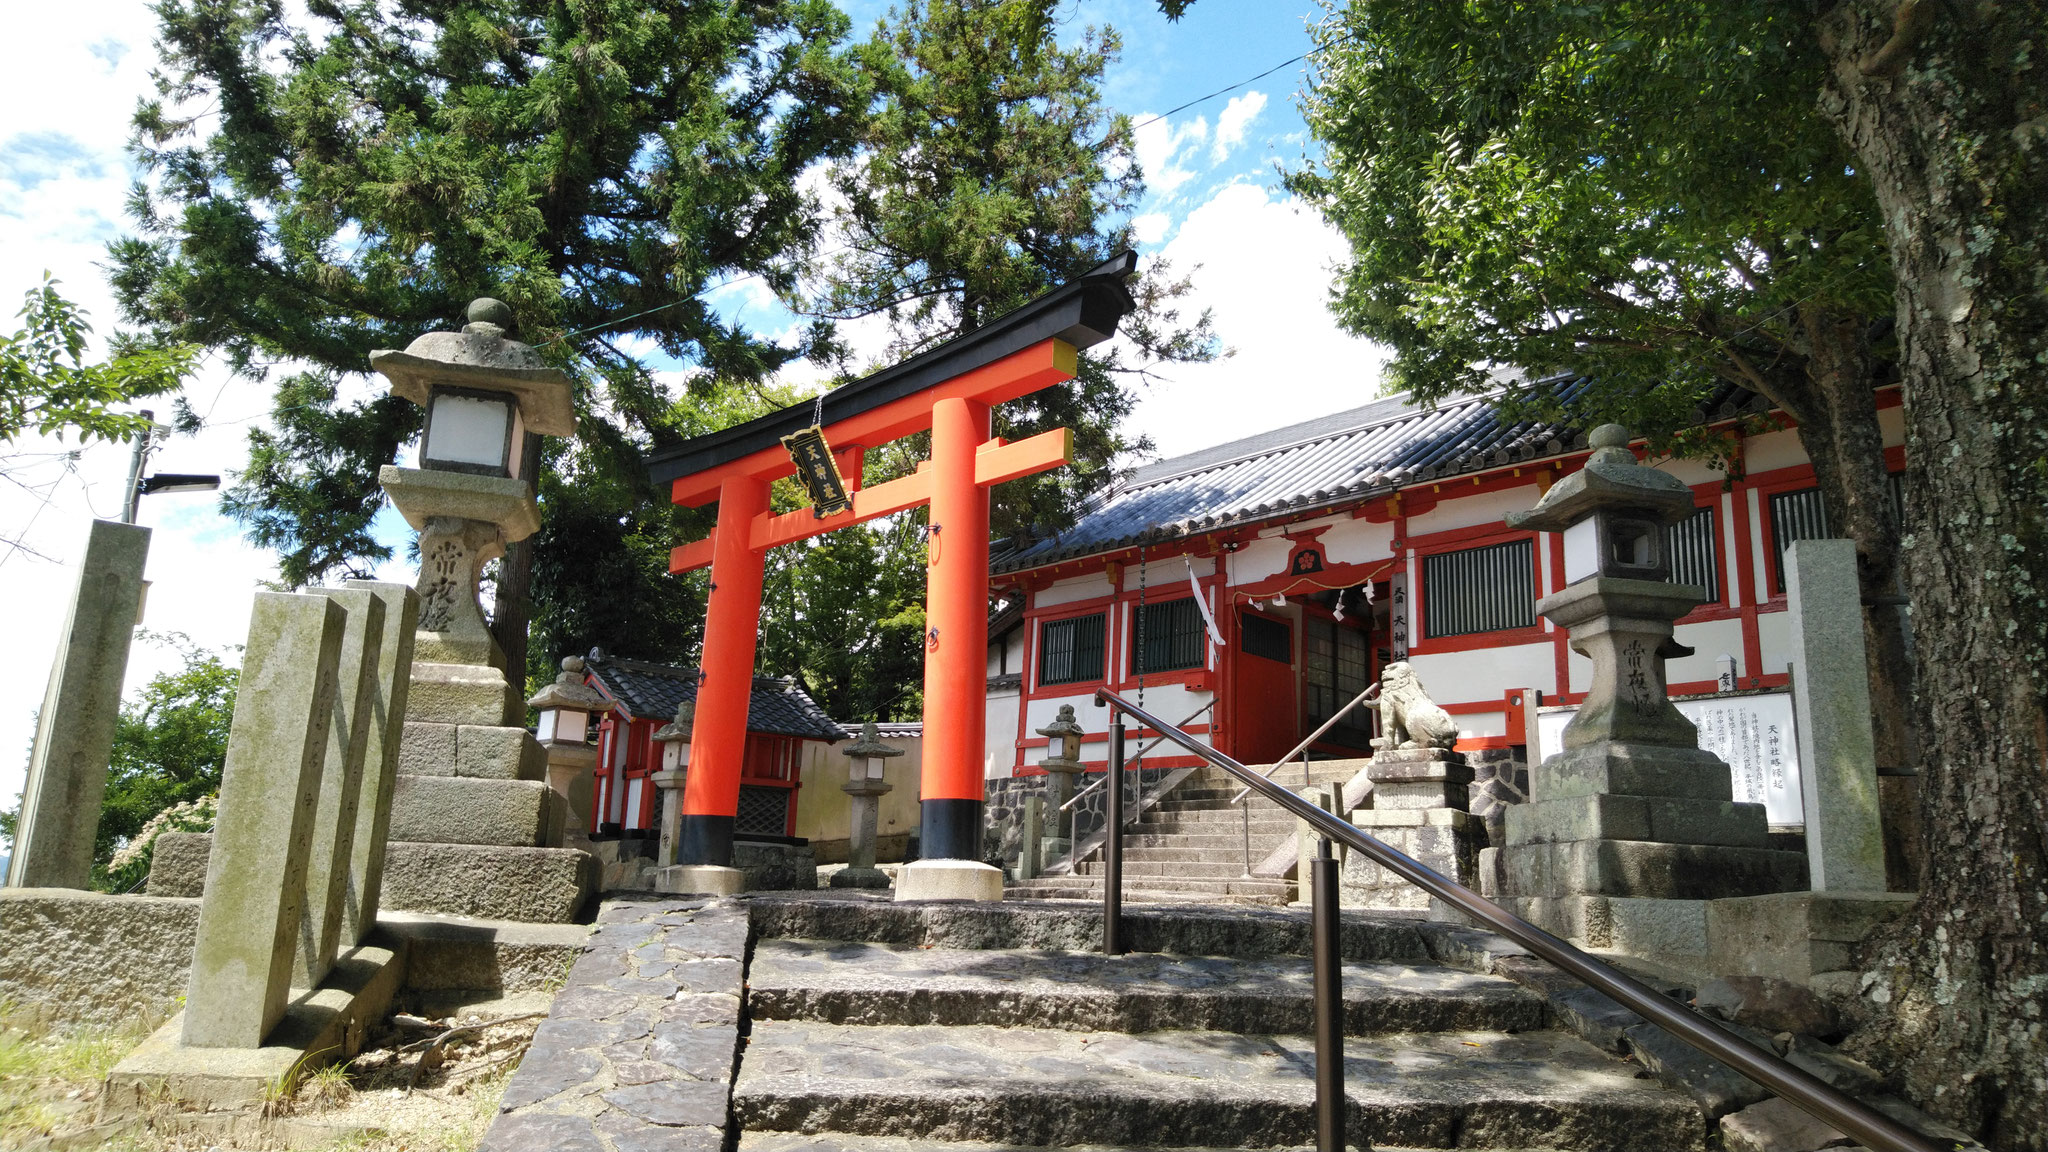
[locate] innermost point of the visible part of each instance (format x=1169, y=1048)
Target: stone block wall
x=1002, y=817
x=71, y=958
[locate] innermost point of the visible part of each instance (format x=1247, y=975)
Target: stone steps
x=1210, y=868
x=1139, y=896
x=877, y=984
x=841, y=1142
x=1214, y=1089
x=1173, y=887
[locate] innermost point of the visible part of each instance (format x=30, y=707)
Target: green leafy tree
x=47, y=387
x=987, y=173
x=170, y=746
x=1613, y=190
x=1937, y=111
x=990, y=173
x=315, y=191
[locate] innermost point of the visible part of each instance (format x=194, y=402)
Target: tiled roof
x=649, y=691
x=1334, y=460
x=895, y=730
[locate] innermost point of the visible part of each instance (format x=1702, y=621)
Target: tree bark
x=512, y=609
x=1946, y=108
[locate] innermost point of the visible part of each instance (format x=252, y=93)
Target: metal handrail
x=1803, y=1090
x=1302, y=747
x=1077, y=797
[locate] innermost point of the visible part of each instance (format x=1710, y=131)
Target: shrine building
x=1273, y=577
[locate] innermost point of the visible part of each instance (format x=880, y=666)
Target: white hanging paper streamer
x=1202, y=603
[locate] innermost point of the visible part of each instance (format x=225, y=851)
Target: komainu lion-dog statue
x=1408, y=717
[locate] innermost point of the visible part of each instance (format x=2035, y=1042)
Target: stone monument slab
x=256, y=874
x=67, y=774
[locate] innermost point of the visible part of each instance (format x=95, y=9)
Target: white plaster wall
x=1258, y=560
x=1482, y=723
x=1772, y=450
x=1038, y=713
x=1485, y=674
x=1891, y=424
x=1001, y=736
x=1357, y=542
x=1579, y=669
x=1170, y=574
x=1776, y=641
x=1690, y=471
x=1710, y=639
x=1069, y=590
x=1761, y=562
x=1455, y=511
x=1731, y=568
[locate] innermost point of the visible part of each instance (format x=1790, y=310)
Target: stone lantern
x=1062, y=763
x=866, y=758
x=674, y=738
x=565, y=707
x=1631, y=828
x=468, y=498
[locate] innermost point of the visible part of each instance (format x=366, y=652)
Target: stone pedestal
x=1420, y=801
x=860, y=871
x=571, y=773
x=1059, y=825
x=949, y=880
x=701, y=880
x=671, y=806
x=67, y=773
x=1632, y=827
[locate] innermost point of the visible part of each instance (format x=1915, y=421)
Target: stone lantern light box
x=1612, y=513
x=482, y=394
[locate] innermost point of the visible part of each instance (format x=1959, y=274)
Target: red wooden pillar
x=956, y=637
x=732, y=614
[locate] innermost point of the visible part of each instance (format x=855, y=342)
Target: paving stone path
x=637, y=1052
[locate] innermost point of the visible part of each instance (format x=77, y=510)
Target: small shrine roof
x=650, y=691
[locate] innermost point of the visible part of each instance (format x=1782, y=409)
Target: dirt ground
x=428, y=1080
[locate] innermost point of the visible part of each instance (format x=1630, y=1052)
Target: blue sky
x=1215, y=209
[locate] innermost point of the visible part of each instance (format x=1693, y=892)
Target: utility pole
x=131, y=500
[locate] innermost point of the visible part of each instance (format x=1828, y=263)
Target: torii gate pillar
x=956, y=654
x=949, y=390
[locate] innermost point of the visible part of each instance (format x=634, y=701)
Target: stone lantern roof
x=677, y=731
x=481, y=356
x=869, y=745
x=1612, y=481
x=569, y=693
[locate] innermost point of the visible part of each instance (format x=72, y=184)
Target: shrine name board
x=1753, y=733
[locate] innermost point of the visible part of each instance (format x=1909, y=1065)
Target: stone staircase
x=1190, y=845
x=907, y=1029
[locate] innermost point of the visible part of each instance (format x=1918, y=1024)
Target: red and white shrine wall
x=1446, y=572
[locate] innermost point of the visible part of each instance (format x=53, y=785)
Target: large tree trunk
x=1944, y=106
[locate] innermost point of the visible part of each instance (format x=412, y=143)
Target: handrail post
x=1327, y=945
x=1113, y=847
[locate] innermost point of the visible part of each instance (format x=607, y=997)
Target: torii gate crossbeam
x=949, y=390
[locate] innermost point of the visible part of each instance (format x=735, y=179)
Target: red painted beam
x=1042, y=365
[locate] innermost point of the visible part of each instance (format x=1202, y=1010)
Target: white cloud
x=1232, y=122
x=1151, y=228
x=1161, y=147
x=1265, y=270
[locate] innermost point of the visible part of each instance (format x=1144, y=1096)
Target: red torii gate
x=949, y=390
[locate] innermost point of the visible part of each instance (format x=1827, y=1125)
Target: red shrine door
x=1264, y=708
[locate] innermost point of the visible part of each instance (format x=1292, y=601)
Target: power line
x=1104, y=142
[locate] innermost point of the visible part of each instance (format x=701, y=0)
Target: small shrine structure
x=948, y=391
